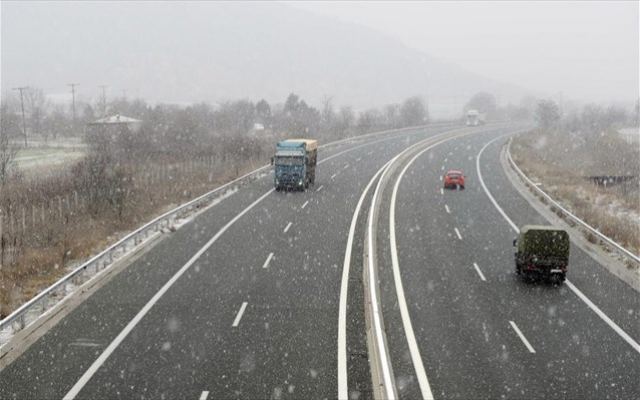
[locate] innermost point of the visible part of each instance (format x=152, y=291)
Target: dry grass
x=614, y=211
x=47, y=252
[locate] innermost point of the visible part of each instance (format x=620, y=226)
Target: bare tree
x=413, y=112
x=7, y=149
x=37, y=106
x=547, y=114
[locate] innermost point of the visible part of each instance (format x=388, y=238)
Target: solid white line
x=236, y=321
x=495, y=203
x=524, y=339
x=127, y=329
x=624, y=335
x=333, y=176
x=343, y=392
x=204, y=395
x=604, y=317
x=132, y=324
x=304, y=205
x=479, y=272
x=458, y=233
x=319, y=188
x=266, y=263
x=441, y=189
x=287, y=227
x=416, y=358
x=446, y=207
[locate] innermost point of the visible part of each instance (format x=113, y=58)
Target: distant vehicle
x=542, y=252
x=454, y=179
x=475, y=118
x=295, y=164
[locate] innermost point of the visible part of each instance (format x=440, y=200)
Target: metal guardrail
x=45, y=300
x=17, y=319
x=621, y=250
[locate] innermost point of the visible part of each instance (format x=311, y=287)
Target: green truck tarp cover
x=543, y=241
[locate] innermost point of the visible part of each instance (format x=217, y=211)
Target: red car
x=453, y=179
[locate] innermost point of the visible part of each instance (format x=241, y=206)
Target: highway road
x=252, y=299
x=481, y=332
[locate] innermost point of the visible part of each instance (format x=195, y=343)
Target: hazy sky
x=210, y=51
x=548, y=46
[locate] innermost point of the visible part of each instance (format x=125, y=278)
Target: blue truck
x=295, y=164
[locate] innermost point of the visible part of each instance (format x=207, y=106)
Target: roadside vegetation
x=53, y=219
x=581, y=160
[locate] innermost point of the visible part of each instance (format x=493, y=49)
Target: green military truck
x=542, y=252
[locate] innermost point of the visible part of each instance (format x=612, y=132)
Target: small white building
x=118, y=120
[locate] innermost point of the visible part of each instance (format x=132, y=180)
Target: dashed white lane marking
x=440, y=178
x=458, y=233
x=287, y=227
x=521, y=336
x=358, y=159
x=81, y=342
x=446, y=207
x=441, y=189
x=334, y=175
x=73, y=392
x=204, y=395
x=346, y=166
x=266, y=263
x=479, y=272
x=319, y=188
x=442, y=168
x=93, y=368
x=236, y=321
x=624, y=335
x=304, y=205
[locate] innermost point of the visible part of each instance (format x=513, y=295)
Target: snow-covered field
x=41, y=155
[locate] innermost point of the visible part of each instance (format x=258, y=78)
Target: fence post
x=1, y=241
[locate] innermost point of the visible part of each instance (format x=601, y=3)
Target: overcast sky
x=548, y=46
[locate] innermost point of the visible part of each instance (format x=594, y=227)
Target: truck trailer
x=475, y=118
x=295, y=164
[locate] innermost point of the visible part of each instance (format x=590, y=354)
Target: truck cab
x=295, y=164
x=542, y=252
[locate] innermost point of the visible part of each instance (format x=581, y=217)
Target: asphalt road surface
x=244, y=301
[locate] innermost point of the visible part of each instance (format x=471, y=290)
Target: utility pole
x=104, y=100
x=24, y=124
x=73, y=103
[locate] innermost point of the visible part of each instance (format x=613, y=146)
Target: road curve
x=480, y=331
x=240, y=302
